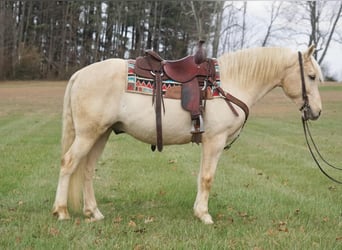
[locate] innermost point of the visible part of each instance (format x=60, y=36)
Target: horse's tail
x=68, y=137
x=68, y=129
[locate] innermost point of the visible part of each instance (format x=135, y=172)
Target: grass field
x=268, y=194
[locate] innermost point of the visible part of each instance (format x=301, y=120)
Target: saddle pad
x=142, y=85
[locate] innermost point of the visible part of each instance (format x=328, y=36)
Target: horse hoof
x=61, y=213
x=92, y=219
x=96, y=215
x=206, y=219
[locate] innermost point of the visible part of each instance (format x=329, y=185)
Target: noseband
x=305, y=109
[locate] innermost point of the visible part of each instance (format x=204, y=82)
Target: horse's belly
x=138, y=118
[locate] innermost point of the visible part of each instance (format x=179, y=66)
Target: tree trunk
x=331, y=34
x=313, y=20
x=2, y=39
x=243, y=25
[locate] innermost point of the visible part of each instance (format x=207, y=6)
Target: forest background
x=52, y=39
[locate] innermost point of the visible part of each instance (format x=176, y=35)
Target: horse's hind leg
x=70, y=162
x=90, y=209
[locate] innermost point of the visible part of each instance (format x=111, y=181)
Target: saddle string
x=156, y=87
x=154, y=74
x=158, y=100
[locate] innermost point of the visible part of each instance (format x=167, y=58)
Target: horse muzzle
x=308, y=113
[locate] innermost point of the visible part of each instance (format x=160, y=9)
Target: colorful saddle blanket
x=170, y=88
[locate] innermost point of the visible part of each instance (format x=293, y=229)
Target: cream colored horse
x=96, y=103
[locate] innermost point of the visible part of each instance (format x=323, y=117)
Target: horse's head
x=301, y=84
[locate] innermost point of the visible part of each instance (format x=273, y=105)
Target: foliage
x=28, y=67
x=267, y=193
x=72, y=34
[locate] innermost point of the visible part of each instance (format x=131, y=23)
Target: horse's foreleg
x=90, y=208
x=211, y=152
x=70, y=161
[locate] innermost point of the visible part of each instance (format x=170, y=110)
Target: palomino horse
x=96, y=103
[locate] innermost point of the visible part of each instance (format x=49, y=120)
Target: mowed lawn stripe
x=27, y=146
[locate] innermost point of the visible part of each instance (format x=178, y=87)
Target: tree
x=219, y=9
x=2, y=39
x=231, y=32
x=331, y=32
x=273, y=16
x=52, y=39
x=322, y=17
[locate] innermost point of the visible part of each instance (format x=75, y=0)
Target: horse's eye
x=312, y=77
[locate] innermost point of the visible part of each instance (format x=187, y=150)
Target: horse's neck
x=251, y=93
x=259, y=90
x=251, y=84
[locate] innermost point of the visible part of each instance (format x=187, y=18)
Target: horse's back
x=107, y=70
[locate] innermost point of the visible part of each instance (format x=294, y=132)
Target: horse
x=96, y=103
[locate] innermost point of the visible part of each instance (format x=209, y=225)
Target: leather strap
x=239, y=103
x=158, y=107
x=157, y=97
x=229, y=98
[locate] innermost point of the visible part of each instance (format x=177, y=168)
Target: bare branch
x=331, y=34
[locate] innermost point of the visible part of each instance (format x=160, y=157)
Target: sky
x=333, y=59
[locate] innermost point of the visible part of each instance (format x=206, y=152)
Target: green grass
x=267, y=193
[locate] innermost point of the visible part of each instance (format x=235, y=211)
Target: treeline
x=49, y=39
x=52, y=39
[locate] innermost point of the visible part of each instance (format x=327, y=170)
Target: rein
x=306, y=108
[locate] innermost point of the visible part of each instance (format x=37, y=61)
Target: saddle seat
x=182, y=70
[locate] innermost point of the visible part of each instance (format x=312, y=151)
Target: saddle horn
x=200, y=54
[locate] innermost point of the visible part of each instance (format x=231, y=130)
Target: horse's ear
x=310, y=51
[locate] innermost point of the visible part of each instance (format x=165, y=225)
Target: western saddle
x=195, y=73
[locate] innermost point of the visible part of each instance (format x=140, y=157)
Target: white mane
x=255, y=65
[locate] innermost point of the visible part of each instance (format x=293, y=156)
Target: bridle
x=308, y=137
x=306, y=106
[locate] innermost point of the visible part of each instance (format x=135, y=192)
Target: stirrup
x=197, y=128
